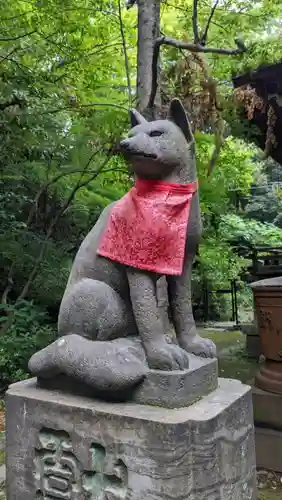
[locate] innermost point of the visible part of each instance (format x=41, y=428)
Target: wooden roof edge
x=263, y=72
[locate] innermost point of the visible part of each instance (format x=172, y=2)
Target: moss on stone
x=270, y=495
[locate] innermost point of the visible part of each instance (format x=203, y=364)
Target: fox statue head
x=161, y=149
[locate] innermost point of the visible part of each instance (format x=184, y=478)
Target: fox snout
x=124, y=145
x=134, y=146
x=127, y=147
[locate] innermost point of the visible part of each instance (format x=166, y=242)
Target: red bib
x=147, y=227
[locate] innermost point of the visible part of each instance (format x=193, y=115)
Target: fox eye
x=155, y=133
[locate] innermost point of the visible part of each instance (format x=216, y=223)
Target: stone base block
x=269, y=449
x=169, y=389
x=267, y=409
x=68, y=447
x=253, y=344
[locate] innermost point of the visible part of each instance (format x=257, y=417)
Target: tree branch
x=34, y=207
x=53, y=224
x=6, y=57
x=192, y=47
x=195, y=22
x=11, y=18
x=93, y=105
x=204, y=36
x=12, y=38
x=80, y=184
x=126, y=61
x=14, y=101
x=83, y=55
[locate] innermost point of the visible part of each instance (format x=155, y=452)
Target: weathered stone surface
x=253, y=345
x=62, y=446
x=269, y=449
x=112, y=366
x=159, y=388
x=2, y=474
x=268, y=429
x=178, y=389
x=108, y=298
x=267, y=409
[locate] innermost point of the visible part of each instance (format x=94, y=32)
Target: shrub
x=29, y=332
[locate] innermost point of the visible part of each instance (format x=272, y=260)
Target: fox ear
x=136, y=118
x=177, y=114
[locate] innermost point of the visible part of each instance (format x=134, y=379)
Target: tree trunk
x=148, y=31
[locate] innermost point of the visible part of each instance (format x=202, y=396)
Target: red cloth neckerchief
x=147, y=227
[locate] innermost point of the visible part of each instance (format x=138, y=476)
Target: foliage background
x=67, y=79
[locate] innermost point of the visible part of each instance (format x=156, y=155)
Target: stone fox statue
x=111, y=302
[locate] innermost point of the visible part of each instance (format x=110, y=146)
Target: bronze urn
x=268, y=312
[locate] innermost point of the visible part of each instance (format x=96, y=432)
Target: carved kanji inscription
x=60, y=475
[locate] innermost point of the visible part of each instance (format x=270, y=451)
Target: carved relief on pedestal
x=264, y=318
x=60, y=475
x=269, y=321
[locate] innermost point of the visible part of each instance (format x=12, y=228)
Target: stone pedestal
x=76, y=448
x=253, y=347
x=267, y=409
x=268, y=422
x=175, y=389
x=269, y=449
x=268, y=306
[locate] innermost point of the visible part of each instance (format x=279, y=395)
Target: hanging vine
x=251, y=101
x=190, y=79
x=247, y=96
x=270, y=141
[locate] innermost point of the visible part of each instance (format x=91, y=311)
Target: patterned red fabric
x=147, y=227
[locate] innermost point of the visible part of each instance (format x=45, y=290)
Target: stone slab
x=268, y=449
x=253, y=346
x=267, y=409
x=169, y=389
x=179, y=389
x=67, y=447
x=2, y=474
x=249, y=329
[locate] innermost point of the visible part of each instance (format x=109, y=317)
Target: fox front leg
x=143, y=294
x=180, y=301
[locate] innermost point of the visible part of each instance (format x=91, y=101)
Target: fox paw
x=199, y=346
x=167, y=357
